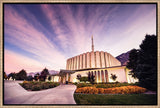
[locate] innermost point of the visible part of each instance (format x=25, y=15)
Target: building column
x=97, y=75
x=52, y=78
x=67, y=77
x=100, y=76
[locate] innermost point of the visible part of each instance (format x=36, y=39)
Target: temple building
x=99, y=63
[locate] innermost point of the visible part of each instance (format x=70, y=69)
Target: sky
x=46, y=35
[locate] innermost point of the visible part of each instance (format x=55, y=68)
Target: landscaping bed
x=125, y=99
x=104, y=85
x=36, y=86
x=115, y=90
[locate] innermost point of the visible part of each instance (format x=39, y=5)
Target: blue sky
x=46, y=35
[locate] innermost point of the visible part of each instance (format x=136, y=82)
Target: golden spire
x=92, y=44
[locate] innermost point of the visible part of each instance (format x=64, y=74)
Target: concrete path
x=15, y=94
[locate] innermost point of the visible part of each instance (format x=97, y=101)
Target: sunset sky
x=46, y=35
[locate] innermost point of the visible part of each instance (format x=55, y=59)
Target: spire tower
x=92, y=44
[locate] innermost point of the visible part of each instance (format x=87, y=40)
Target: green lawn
x=127, y=99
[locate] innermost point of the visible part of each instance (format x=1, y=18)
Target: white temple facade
x=99, y=63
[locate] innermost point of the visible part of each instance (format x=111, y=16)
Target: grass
x=125, y=99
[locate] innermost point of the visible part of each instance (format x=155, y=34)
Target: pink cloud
x=24, y=35
x=14, y=62
x=73, y=32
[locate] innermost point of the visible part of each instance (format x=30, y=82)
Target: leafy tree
x=13, y=75
x=5, y=76
x=44, y=74
x=132, y=64
x=79, y=76
x=91, y=77
x=147, y=63
x=36, y=77
x=84, y=79
x=113, y=77
x=49, y=78
x=143, y=63
x=29, y=78
x=22, y=75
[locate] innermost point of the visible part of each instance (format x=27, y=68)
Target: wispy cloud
x=22, y=34
x=15, y=62
x=66, y=30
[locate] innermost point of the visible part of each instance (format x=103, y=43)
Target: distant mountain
x=51, y=72
x=123, y=58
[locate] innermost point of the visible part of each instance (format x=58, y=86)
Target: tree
x=29, y=78
x=84, y=79
x=91, y=77
x=113, y=77
x=132, y=64
x=147, y=63
x=22, y=75
x=79, y=76
x=13, y=75
x=44, y=74
x=36, y=77
x=49, y=78
x=143, y=63
x=5, y=76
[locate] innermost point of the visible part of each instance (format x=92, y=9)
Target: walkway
x=15, y=94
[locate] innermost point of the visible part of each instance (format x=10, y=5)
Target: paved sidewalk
x=15, y=94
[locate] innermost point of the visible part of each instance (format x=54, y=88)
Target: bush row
x=35, y=86
x=104, y=85
x=116, y=90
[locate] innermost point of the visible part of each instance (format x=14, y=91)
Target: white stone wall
x=119, y=72
x=102, y=59
x=88, y=60
x=130, y=79
x=73, y=77
x=75, y=65
x=92, y=60
x=80, y=67
x=77, y=62
x=97, y=60
x=84, y=61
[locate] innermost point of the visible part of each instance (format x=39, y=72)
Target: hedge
x=35, y=85
x=104, y=85
x=116, y=90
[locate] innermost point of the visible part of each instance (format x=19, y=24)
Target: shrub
x=83, y=79
x=36, y=88
x=27, y=86
x=100, y=90
x=84, y=85
x=45, y=86
x=51, y=85
x=116, y=90
x=56, y=84
x=93, y=90
x=34, y=85
x=111, y=85
x=25, y=82
x=87, y=90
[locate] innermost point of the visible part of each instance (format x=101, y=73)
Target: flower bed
x=104, y=85
x=116, y=90
x=35, y=86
